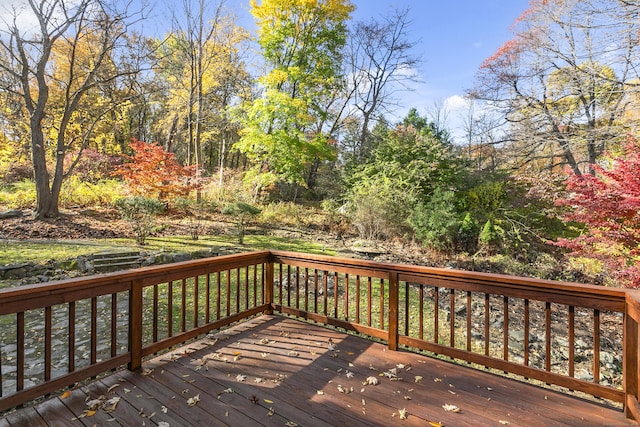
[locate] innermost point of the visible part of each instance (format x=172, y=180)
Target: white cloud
x=455, y=104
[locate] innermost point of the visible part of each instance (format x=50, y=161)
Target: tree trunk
x=40, y=172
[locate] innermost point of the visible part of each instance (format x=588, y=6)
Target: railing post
x=393, y=310
x=135, y=325
x=268, y=287
x=630, y=350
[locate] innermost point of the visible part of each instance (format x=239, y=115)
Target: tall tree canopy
x=302, y=43
x=566, y=79
x=49, y=70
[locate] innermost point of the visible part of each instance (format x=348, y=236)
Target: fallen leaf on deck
x=264, y=355
x=259, y=380
x=264, y=341
x=90, y=413
x=163, y=424
x=193, y=401
x=349, y=374
x=110, y=405
x=371, y=381
x=320, y=392
x=291, y=424
x=293, y=354
x=435, y=424
x=241, y=378
x=403, y=413
x=504, y=422
x=271, y=412
x=407, y=397
x=451, y=408
x=146, y=371
x=400, y=366
x=65, y=394
x=268, y=401
x=164, y=409
x=417, y=379
x=110, y=389
x=94, y=404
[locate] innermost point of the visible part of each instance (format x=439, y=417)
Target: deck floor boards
x=276, y=371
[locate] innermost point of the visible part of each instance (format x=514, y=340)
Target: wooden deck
x=276, y=371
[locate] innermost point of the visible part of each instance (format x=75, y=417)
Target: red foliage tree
x=153, y=172
x=608, y=204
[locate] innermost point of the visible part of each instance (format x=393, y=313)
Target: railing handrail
x=610, y=296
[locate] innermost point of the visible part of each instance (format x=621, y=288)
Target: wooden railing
x=54, y=335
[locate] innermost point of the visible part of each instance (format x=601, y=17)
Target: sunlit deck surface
x=276, y=371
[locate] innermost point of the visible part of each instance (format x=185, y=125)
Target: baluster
x=357, y=298
x=325, y=279
x=381, y=303
x=572, y=338
x=596, y=346
x=436, y=315
x=218, y=294
x=547, y=310
x=369, y=293
x=315, y=291
x=94, y=330
x=468, y=320
x=526, y=332
x=487, y=319
x=196, y=296
x=335, y=294
x=346, y=297
x=288, y=286
x=72, y=336
x=246, y=287
x=20, y=351
x=238, y=289
x=406, y=308
x=170, y=309
x=297, y=287
x=421, y=311
x=227, y=274
x=183, y=305
x=255, y=285
x=207, y=298
x=306, y=289
x=505, y=328
x=114, y=325
x=47, y=343
x=452, y=317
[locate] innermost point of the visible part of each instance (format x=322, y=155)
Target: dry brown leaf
x=146, y=371
x=65, y=394
x=94, y=404
x=110, y=405
x=163, y=424
x=504, y=422
x=320, y=392
x=451, y=408
x=110, y=389
x=435, y=424
x=417, y=379
x=403, y=413
x=193, y=401
x=271, y=412
x=371, y=381
x=241, y=378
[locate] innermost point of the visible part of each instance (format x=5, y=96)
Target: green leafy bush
x=140, y=213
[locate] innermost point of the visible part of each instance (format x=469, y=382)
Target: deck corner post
x=268, y=287
x=393, y=310
x=631, y=368
x=135, y=325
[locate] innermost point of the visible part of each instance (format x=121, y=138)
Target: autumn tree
x=202, y=73
x=302, y=45
x=562, y=83
x=153, y=172
x=84, y=35
x=606, y=205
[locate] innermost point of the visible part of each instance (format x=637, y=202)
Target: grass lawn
x=15, y=251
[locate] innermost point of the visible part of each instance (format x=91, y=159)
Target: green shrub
x=140, y=213
x=435, y=222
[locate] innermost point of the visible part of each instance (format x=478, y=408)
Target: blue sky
x=455, y=37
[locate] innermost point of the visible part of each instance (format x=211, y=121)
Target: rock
x=12, y=213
